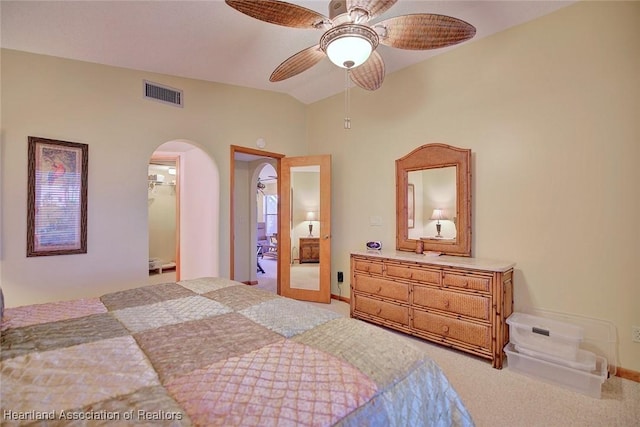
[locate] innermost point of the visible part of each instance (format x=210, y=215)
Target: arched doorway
x=196, y=185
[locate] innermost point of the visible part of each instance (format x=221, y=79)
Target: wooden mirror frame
x=432, y=156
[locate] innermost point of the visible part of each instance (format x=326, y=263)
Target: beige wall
x=551, y=110
x=103, y=107
x=243, y=269
x=199, y=215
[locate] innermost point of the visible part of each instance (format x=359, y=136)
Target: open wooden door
x=304, y=236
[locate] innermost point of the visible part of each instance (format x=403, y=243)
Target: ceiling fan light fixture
x=349, y=51
x=349, y=45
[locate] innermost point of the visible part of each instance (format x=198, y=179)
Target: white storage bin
x=552, y=337
x=585, y=360
x=600, y=336
x=588, y=383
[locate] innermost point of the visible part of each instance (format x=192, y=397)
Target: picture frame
x=411, y=206
x=57, y=197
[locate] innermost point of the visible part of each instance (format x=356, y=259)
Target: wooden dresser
x=455, y=301
x=309, y=249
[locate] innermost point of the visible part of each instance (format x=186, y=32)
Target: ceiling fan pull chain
x=347, y=100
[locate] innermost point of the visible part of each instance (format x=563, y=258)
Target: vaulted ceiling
x=208, y=40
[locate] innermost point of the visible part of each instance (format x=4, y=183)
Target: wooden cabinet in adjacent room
x=309, y=249
x=459, y=302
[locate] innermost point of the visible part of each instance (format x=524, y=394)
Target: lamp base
x=310, y=230
x=438, y=228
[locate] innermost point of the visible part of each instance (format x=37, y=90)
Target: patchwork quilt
x=211, y=352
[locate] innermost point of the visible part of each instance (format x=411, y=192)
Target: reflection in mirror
x=431, y=203
x=305, y=227
x=433, y=200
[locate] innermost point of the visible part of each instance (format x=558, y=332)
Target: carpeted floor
x=497, y=398
x=507, y=398
x=267, y=280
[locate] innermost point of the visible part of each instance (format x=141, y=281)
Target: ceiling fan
x=349, y=40
x=260, y=185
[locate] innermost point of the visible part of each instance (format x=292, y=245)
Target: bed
x=212, y=351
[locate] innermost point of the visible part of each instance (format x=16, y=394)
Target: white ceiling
x=209, y=40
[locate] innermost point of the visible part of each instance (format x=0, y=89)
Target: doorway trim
x=250, y=154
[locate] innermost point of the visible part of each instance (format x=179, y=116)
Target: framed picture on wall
x=57, y=197
x=411, y=206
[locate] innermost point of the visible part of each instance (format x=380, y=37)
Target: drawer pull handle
x=465, y=284
x=379, y=289
x=445, y=329
x=446, y=304
x=379, y=310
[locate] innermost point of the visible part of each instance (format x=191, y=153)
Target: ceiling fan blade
x=369, y=75
x=279, y=13
x=373, y=7
x=423, y=31
x=298, y=63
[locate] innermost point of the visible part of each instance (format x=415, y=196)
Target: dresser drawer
x=382, y=288
x=475, y=306
x=385, y=310
x=367, y=266
x=413, y=273
x=448, y=328
x=476, y=283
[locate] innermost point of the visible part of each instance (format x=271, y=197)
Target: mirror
x=305, y=227
x=433, y=200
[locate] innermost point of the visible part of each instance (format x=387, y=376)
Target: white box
x=553, y=337
x=585, y=361
x=588, y=383
x=600, y=336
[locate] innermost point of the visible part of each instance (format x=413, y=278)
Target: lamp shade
x=438, y=214
x=311, y=216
